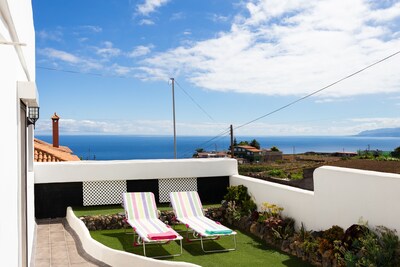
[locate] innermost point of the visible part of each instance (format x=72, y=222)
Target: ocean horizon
x=124, y=147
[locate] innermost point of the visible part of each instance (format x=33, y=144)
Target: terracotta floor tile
x=42, y=263
x=75, y=258
x=56, y=247
x=58, y=227
x=57, y=237
x=42, y=253
x=45, y=242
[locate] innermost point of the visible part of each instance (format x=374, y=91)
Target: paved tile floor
x=57, y=246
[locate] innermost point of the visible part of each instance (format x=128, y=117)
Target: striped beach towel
x=189, y=210
x=141, y=214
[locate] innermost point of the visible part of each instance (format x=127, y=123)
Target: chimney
x=56, y=138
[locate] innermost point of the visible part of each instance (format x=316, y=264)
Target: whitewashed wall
x=111, y=256
x=78, y=171
x=341, y=197
x=15, y=66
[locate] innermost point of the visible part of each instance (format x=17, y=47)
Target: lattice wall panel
x=165, y=186
x=103, y=192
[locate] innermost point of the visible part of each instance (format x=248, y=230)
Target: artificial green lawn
x=114, y=209
x=250, y=251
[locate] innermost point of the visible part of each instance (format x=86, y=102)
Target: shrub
x=241, y=198
x=274, y=148
x=277, y=173
x=396, y=152
x=296, y=175
x=333, y=233
x=371, y=248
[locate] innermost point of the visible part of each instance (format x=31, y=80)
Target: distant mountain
x=382, y=132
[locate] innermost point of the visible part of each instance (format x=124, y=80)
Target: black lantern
x=33, y=115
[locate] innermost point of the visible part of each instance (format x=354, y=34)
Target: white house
x=17, y=94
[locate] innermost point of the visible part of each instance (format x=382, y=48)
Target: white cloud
x=108, y=50
x=59, y=55
x=149, y=6
x=121, y=70
x=386, y=14
x=332, y=100
x=219, y=18
x=92, y=28
x=140, y=50
x=177, y=16
x=291, y=47
x=50, y=35
x=164, y=127
x=187, y=33
x=146, y=22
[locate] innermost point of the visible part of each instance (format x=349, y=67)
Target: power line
x=194, y=101
x=126, y=77
x=79, y=72
x=222, y=134
x=318, y=91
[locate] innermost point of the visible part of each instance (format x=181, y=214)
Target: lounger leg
x=218, y=250
x=165, y=256
x=144, y=248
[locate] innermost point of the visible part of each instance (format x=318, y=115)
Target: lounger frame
x=197, y=215
x=139, y=237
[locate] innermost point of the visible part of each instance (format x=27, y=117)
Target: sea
x=124, y=147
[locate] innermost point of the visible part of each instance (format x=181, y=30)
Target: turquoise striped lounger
x=141, y=215
x=189, y=211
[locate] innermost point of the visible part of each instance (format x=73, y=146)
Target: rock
x=326, y=258
x=253, y=228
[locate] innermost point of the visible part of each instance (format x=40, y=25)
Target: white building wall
x=78, y=171
x=341, y=197
x=16, y=17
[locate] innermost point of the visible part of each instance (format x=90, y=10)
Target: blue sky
x=238, y=60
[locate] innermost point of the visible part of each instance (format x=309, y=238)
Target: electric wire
x=319, y=90
x=194, y=101
x=204, y=144
x=79, y=72
x=313, y=93
x=260, y=117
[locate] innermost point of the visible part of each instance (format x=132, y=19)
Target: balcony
x=340, y=197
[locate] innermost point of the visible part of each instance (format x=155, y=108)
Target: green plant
x=233, y=212
x=285, y=230
x=333, y=233
x=310, y=245
x=242, y=199
x=396, y=152
x=277, y=173
x=271, y=210
x=274, y=148
x=296, y=175
x=371, y=248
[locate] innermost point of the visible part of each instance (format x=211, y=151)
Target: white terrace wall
x=80, y=171
x=341, y=197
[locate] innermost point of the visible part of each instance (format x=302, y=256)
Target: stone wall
x=117, y=221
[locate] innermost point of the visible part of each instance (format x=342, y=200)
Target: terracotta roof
x=250, y=148
x=45, y=152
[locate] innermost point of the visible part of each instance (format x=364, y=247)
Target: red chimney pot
x=56, y=137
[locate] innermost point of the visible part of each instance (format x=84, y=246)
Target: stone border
x=79, y=246
x=111, y=256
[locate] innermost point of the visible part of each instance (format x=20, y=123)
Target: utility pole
x=232, y=148
x=173, y=114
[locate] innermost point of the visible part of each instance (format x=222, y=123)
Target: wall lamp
x=33, y=115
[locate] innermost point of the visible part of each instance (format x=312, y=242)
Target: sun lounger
x=189, y=211
x=141, y=215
